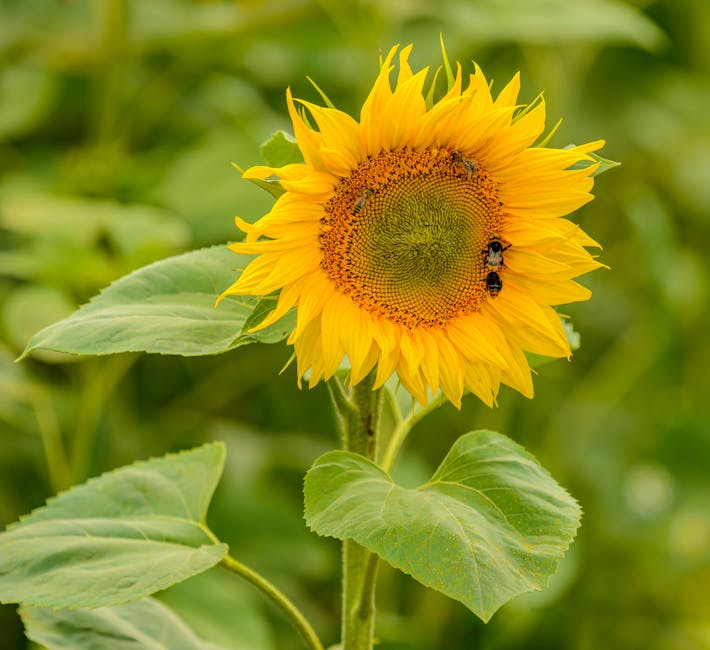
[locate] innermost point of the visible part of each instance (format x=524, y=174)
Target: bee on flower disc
x=468, y=165
x=362, y=200
x=494, y=284
x=494, y=253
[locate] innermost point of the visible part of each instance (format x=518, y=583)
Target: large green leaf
x=118, y=537
x=168, y=308
x=489, y=525
x=144, y=625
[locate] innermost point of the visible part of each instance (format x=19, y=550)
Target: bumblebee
x=494, y=253
x=494, y=284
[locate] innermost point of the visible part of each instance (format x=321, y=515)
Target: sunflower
x=426, y=240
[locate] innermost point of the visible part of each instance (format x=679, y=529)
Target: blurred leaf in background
x=119, y=121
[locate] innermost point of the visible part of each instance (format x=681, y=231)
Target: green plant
x=489, y=524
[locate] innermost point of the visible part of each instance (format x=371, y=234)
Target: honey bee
x=468, y=165
x=362, y=200
x=494, y=253
x=494, y=284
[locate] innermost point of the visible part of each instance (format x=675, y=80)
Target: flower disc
x=405, y=236
x=424, y=240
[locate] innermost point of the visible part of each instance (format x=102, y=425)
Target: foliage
x=143, y=624
x=166, y=308
x=118, y=123
x=489, y=525
x=117, y=538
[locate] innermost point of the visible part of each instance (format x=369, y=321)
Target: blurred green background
x=118, y=121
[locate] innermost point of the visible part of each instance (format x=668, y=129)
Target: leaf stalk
x=297, y=619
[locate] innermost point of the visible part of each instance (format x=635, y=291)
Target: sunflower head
x=425, y=239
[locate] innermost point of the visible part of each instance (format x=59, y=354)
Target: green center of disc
x=417, y=240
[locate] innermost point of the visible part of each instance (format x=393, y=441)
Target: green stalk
x=402, y=429
x=54, y=451
x=112, y=23
x=99, y=380
x=360, y=422
x=345, y=410
x=278, y=598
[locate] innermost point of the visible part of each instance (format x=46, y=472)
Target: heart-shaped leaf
x=167, y=308
x=489, y=525
x=144, y=624
x=118, y=537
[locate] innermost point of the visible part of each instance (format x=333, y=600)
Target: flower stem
x=278, y=598
x=404, y=426
x=345, y=410
x=361, y=424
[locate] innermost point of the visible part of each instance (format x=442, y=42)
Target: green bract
x=280, y=149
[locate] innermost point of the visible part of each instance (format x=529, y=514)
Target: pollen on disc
x=406, y=234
